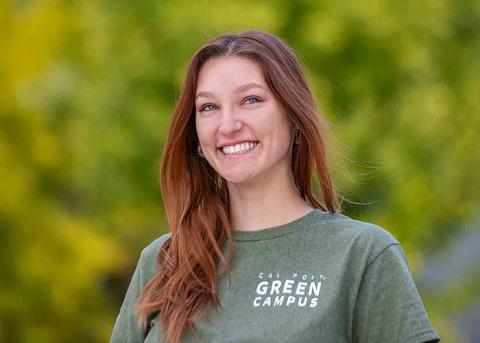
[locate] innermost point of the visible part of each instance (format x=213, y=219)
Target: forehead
x=227, y=73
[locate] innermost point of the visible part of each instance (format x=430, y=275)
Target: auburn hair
x=196, y=197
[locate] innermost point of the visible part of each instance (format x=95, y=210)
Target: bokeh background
x=86, y=94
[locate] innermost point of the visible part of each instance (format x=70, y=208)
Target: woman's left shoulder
x=362, y=234
x=345, y=225
x=372, y=232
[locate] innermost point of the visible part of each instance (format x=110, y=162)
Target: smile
x=238, y=148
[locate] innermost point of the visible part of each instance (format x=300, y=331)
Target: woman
x=244, y=146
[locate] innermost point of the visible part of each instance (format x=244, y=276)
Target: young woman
x=252, y=254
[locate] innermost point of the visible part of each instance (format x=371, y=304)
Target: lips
x=240, y=144
x=239, y=154
x=239, y=148
x=236, y=142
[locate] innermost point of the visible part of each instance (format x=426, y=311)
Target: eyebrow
x=242, y=88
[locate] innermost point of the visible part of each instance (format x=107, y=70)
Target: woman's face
x=243, y=130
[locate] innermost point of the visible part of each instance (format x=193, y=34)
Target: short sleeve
x=388, y=307
x=126, y=329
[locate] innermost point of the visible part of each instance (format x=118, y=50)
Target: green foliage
x=86, y=92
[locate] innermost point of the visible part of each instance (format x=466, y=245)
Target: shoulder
x=341, y=226
x=148, y=256
x=360, y=236
x=154, y=246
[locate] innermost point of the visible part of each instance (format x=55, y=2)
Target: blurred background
x=86, y=94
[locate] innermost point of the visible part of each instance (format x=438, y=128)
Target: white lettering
x=287, y=287
x=315, y=288
x=262, y=288
x=256, y=302
x=301, y=288
x=276, y=284
x=268, y=301
x=273, y=291
x=278, y=301
x=304, y=301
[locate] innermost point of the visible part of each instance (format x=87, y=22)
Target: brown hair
x=196, y=197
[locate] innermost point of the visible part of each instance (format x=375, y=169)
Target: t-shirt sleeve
x=126, y=329
x=388, y=307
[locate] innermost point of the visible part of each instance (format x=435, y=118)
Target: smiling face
x=243, y=129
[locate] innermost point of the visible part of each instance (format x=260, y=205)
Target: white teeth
x=238, y=148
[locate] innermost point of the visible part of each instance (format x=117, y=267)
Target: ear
x=296, y=135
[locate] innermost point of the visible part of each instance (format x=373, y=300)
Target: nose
x=230, y=122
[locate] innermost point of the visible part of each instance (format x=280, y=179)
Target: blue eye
x=205, y=108
x=255, y=100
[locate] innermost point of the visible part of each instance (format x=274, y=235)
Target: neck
x=267, y=203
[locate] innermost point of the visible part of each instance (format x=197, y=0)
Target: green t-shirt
x=321, y=278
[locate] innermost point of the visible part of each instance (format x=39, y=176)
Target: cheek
x=281, y=130
x=200, y=127
x=205, y=132
x=278, y=120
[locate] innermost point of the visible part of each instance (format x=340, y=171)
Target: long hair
x=196, y=197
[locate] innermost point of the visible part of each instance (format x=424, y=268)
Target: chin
x=238, y=178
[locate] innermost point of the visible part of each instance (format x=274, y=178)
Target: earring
x=297, y=137
x=199, y=150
